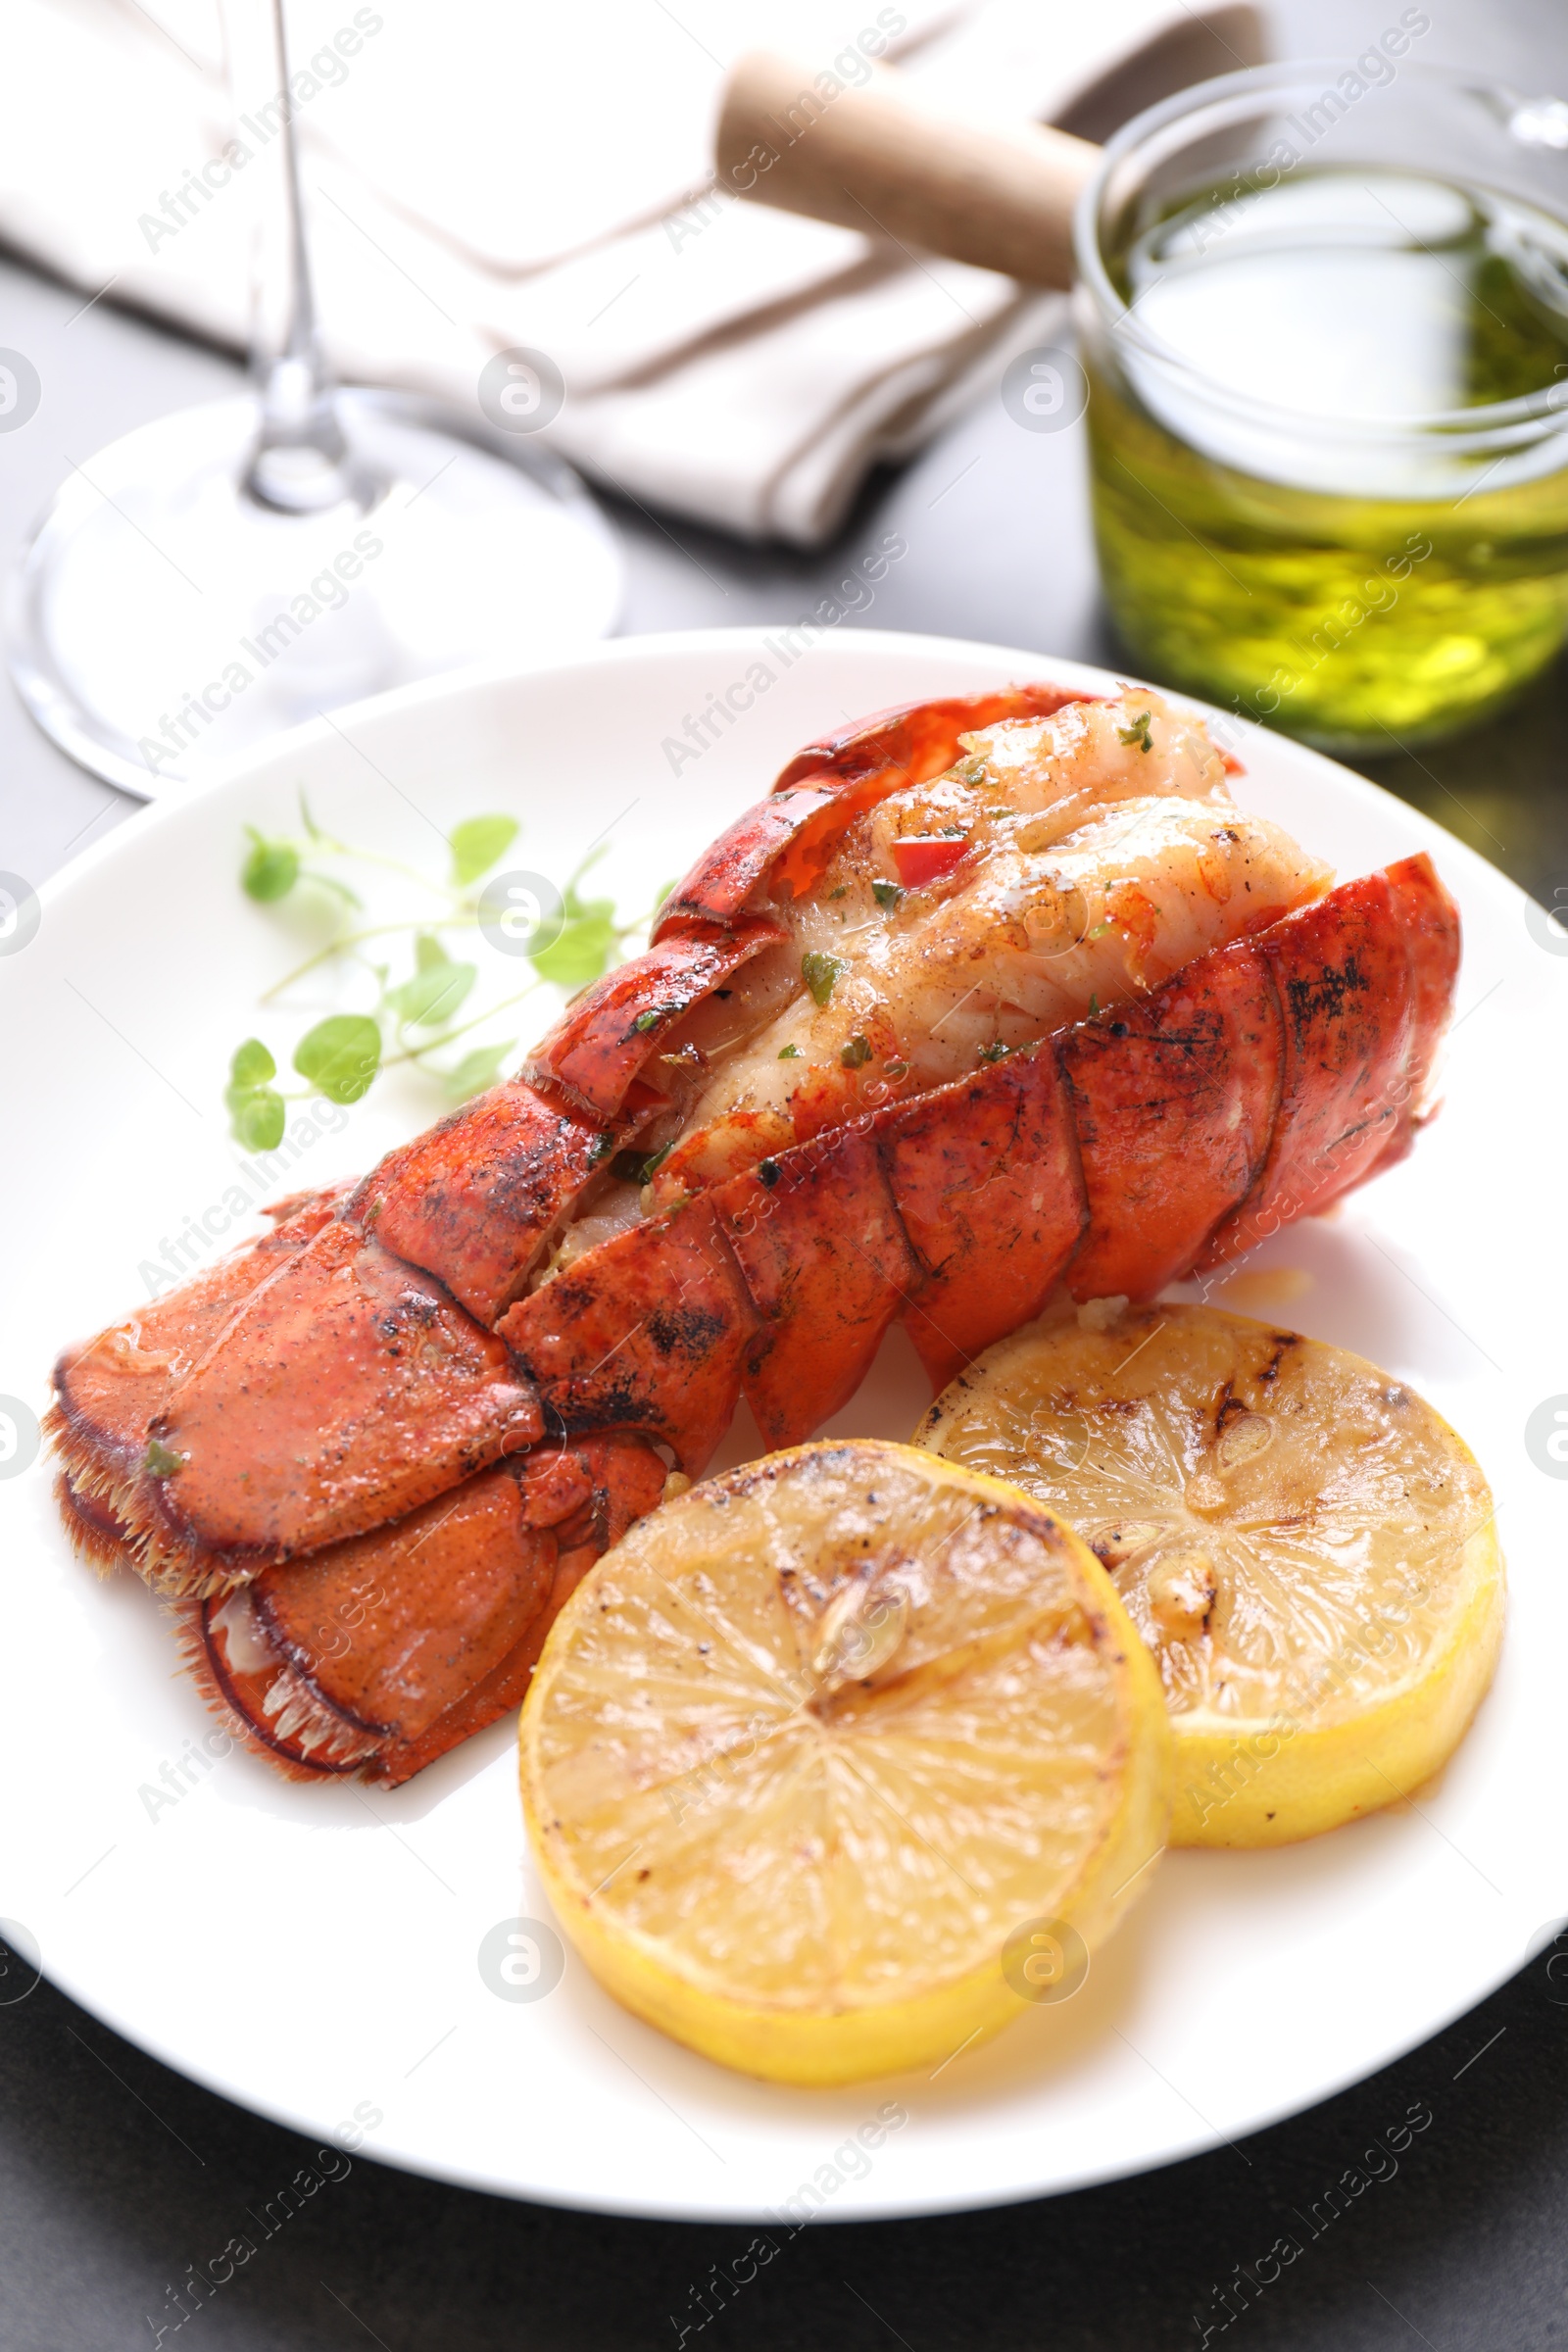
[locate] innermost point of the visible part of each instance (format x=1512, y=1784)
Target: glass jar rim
x=1491, y=425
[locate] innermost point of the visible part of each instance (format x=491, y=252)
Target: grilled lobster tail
x=372, y=1452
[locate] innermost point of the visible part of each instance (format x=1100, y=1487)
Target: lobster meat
x=993, y=1004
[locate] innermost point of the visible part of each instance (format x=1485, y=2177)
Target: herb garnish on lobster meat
x=464, y=1377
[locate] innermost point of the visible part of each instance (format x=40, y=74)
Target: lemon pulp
x=1306, y=1548
x=816, y=1738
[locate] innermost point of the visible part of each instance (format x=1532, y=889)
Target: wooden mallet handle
x=874, y=158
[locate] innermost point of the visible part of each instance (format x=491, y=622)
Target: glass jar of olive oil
x=1325, y=324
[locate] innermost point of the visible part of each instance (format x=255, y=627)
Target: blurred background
x=758, y=401
x=760, y=405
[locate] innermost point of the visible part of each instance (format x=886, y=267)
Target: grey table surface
x=116, y=2174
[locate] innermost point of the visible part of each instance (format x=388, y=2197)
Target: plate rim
x=650, y=649
x=608, y=653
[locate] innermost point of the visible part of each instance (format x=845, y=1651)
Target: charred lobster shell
x=372, y=1462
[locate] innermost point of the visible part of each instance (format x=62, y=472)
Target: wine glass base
x=162, y=621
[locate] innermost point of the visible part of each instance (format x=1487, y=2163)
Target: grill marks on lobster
x=1115, y=1034
x=386, y=1651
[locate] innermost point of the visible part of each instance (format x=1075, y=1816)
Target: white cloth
x=493, y=174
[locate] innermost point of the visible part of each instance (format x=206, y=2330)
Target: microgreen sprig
x=413, y=1018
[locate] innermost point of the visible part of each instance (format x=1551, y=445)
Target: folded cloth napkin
x=493, y=177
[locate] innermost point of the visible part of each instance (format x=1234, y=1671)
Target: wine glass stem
x=301, y=464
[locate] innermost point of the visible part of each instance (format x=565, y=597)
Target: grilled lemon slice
x=1306, y=1548
x=836, y=1761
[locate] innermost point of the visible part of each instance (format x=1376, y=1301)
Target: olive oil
x=1330, y=450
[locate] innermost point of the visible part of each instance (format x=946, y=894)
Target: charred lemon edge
x=1244, y=1782
x=1271, y=1782
x=861, y=2041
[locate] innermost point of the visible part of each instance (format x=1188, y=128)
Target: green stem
x=393, y=865
x=416, y=1052
x=352, y=939
x=339, y=890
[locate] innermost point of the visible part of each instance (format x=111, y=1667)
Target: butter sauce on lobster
x=994, y=1004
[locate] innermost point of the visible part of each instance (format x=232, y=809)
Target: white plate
x=312, y=1952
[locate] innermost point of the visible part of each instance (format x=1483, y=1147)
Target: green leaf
x=582, y=950
x=252, y=1064
x=885, y=894
x=428, y=953
x=478, y=1070
x=589, y=940
x=478, y=842
x=254, y=1111
x=639, y=1167
x=575, y=904
x=662, y=892
x=820, y=972
x=1136, y=731
x=856, y=1054
x=254, y=1117
x=340, y=1056
x=647, y=1020
x=789, y=1052
x=434, y=995
x=271, y=869
x=161, y=1461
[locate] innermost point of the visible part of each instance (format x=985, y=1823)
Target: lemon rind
x=1233, y=1788
x=1249, y=1782
x=861, y=2041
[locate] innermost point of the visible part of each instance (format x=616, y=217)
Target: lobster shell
x=370, y=1400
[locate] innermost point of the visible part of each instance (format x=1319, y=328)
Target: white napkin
x=490, y=175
